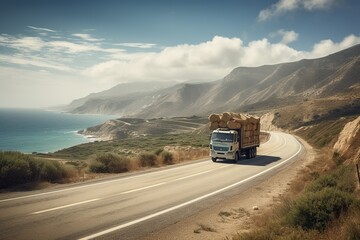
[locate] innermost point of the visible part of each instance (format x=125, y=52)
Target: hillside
x=122, y=94
x=335, y=77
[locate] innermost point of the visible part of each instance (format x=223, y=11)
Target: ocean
x=33, y=130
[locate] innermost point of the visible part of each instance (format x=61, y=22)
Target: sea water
x=33, y=130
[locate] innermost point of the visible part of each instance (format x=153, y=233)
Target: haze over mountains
x=334, y=76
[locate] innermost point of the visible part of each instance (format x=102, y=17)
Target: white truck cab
x=224, y=144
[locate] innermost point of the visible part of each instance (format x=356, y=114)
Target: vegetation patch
x=315, y=210
x=110, y=163
x=132, y=146
x=147, y=159
x=17, y=168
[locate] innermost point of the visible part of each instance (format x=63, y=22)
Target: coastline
x=44, y=130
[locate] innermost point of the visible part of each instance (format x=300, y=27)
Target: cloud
x=23, y=43
x=41, y=29
x=209, y=60
x=136, y=45
x=286, y=36
x=87, y=37
x=283, y=6
x=35, y=61
x=326, y=47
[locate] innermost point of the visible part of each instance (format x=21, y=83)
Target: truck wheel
x=248, y=152
x=236, y=157
x=255, y=152
x=213, y=159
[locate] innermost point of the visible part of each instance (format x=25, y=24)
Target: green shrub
x=167, y=157
x=343, y=178
x=147, y=159
x=110, y=163
x=314, y=210
x=158, y=151
x=97, y=167
x=51, y=171
x=17, y=168
x=14, y=171
x=321, y=183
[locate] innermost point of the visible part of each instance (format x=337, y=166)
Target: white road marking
x=65, y=206
x=177, y=179
x=189, y=202
x=143, y=188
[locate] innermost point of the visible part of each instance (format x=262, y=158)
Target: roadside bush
x=158, y=151
x=315, y=210
x=321, y=183
x=110, y=163
x=14, y=171
x=147, y=159
x=342, y=178
x=51, y=171
x=167, y=157
x=97, y=167
x=17, y=168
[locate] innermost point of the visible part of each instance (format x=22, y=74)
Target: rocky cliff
x=348, y=143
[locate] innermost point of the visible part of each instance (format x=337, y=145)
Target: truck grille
x=223, y=149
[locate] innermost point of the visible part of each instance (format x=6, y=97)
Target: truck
x=234, y=135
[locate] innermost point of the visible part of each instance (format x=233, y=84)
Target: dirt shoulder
x=235, y=215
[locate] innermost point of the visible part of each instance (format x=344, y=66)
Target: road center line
x=143, y=188
x=177, y=179
x=191, y=201
x=65, y=206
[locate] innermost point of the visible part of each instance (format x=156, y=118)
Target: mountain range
x=336, y=76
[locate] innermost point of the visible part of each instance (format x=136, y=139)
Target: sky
x=52, y=52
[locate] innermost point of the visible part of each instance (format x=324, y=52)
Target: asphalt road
x=133, y=205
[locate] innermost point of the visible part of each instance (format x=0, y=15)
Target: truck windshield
x=222, y=137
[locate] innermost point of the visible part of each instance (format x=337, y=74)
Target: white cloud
x=35, y=61
x=318, y=4
x=23, y=43
x=283, y=6
x=41, y=29
x=286, y=36
x=326, y=47
x=71, y=47
x=136, y=45
x=87, y=37
x=208, y=60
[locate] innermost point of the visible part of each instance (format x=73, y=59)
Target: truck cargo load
x=234, y=135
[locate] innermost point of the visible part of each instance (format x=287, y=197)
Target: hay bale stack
x=235, y=121
x=214, y=117
x=232, y=124
x=222, y=124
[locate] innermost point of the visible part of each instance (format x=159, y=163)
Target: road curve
x=130, y=207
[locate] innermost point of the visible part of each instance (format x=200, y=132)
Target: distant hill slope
x=334, y=76
x=93, y=103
